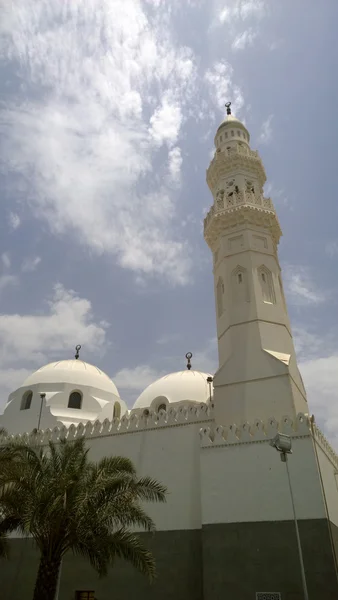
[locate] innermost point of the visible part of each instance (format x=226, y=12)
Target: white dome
x=176, y=387
x=75, y=372
x=230, y=122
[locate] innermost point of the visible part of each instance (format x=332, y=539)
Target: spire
x=77, y=348
x=188, y=356
x=227, y=106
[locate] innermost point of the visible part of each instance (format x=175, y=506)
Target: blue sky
x=108, y=110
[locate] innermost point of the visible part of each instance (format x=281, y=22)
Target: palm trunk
x=47, y=578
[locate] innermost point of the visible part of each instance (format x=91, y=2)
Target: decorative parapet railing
x=184, y=414
x=234, y=151
x=224, y=205
x=256, y=432
x=325, y=445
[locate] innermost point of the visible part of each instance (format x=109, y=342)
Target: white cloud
x=6, y=261
x=221, y=86
x=14, y=220
x=166, y=122
x=28, y=340
x=240, y=10
x=175, y=163
x=300, y=287
x=321, y=381
x=265, y=136
x=136, y=378
x=110, y=86
x=244, y=39
x=30, y=264
x=318, y=363
x=31, y=337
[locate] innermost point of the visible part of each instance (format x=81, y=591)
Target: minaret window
x=240, y=289
x=219, y=294
x=75, y=400
x=232, y=133
x=117, y=410
x=266, y=283
x=26, y=400
x=225, y=136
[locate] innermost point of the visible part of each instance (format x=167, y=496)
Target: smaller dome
x=229, y=122
x=76, y=372
x=182, y=386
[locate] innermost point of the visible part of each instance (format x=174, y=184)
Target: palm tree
x=65, y=502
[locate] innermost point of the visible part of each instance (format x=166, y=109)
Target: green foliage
x=66, y=502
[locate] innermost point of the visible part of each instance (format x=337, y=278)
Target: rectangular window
x=84, y=595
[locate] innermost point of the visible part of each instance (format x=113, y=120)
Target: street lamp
x=42, y=396
x=209, y=381
x=283, y=444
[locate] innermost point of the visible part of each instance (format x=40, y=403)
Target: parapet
x=184, y=414
x=258, y=431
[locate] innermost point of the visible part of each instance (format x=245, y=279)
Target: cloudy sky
x=107, y=114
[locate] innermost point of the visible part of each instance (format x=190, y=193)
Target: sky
x=108, y=110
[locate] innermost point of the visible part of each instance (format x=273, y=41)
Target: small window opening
x=117, y=410
x=239, y=133
x=84, y=595
x=240, y=277
x=232, y=133
x=225, y=136
x=263, y=277
x=26, y=400
x=75, y=400
x=236, y=189
x=162, y=407
x=221, y=138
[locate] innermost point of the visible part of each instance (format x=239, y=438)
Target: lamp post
x=42, y=396
x=282, y=443
x=210, y=380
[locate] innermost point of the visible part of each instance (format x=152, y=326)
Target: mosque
x=227, y=529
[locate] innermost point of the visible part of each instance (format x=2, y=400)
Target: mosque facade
x=228, y=528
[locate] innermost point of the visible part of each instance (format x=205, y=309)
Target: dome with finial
x=231, y=130
x=188, y=386
x=62, y=393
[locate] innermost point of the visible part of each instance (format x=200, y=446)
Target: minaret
x=258, y=376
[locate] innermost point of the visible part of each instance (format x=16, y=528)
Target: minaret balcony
x=237, y=209
x=227, y=160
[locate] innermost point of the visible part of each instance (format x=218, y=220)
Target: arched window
x=162, y=407
x=117, y=410
x=75, y=400
x=219, y=294
x=240, y=287
x=266, y=283
x=26, y=400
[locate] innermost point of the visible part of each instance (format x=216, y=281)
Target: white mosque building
x=227, y=530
